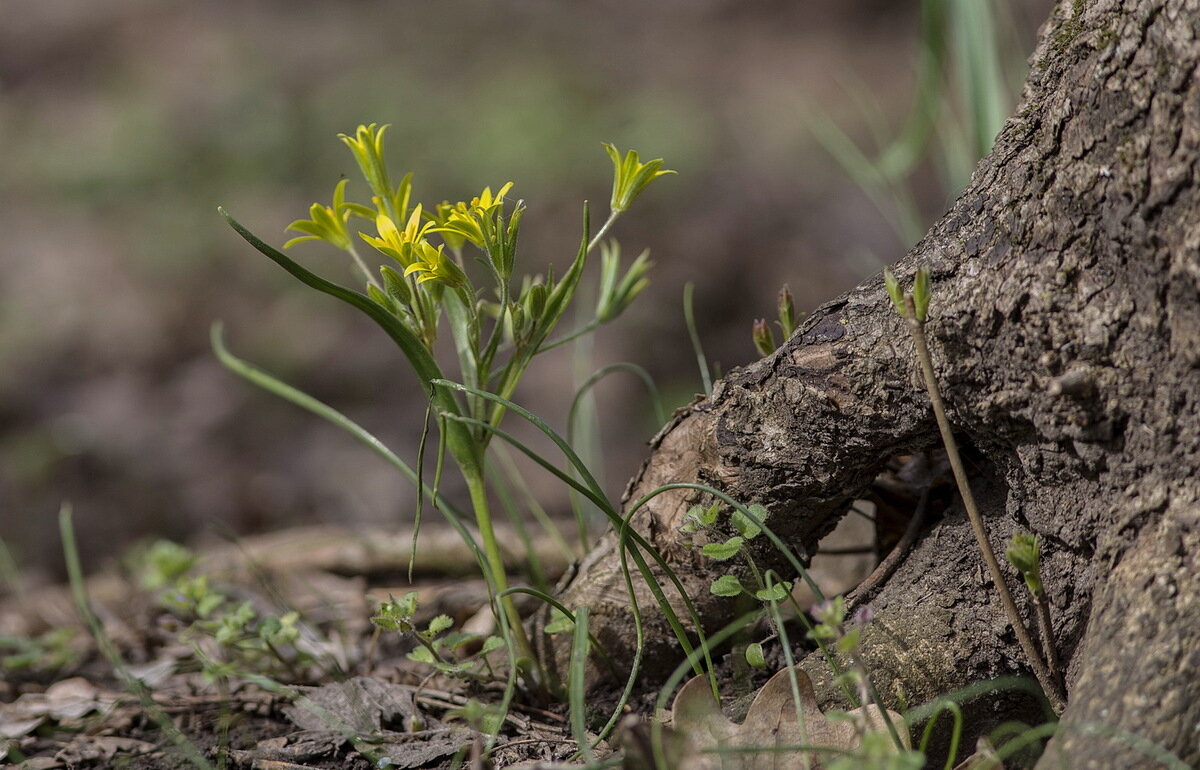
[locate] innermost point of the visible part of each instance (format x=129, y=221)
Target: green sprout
x=1025, y=553
x=764, y=338
x=700, y=518
x=162, y=564
x=437, y=648
x=785, y=309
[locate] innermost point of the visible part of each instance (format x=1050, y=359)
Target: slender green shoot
x=66, y=529
x=577, y=683
x=955, y=711
x=916, y=308
x=689, y=317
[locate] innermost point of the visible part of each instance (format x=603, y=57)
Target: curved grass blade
x=301, y=399
x=573, y=415
x=955, y=711
x=689, y=318
x=104, y=642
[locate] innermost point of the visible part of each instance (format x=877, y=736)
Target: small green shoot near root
x=914, y=308
x=1025, y=554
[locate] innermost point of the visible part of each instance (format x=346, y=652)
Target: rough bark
x=1065, y=328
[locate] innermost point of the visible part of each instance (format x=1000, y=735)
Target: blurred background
x=815, y=141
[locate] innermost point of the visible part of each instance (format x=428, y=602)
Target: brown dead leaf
x=771, y=722
x=92, y=748
x=65, y=701
x=360, y=706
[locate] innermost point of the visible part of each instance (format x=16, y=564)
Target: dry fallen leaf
x=700, y=726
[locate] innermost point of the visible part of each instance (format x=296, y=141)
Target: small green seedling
x=1025, y=554
x=162, y=564
x=704, y=518
x=229, y=639
x=51, y=651
x=436, y=647
x=764, y=335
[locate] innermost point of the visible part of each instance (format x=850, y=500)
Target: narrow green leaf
x=577, y=684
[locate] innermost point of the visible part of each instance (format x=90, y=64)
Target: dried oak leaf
x=770, y=723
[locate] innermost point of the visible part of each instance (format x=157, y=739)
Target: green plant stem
x=917, y=328
x=689, y=318
x=603, y=231
x=358, y=261
x=495, y=559
x=1046, y=629
x=873, y=695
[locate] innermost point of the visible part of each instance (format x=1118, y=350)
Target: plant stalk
x=1040, y=670
x=495, y=559
x=1046, y=629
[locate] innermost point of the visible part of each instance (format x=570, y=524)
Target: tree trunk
x=1065, y=328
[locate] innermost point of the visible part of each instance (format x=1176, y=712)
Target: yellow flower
x=328, y=223
x=631, y=176
x=432, y=264
x=467, y=221
x=396, y=243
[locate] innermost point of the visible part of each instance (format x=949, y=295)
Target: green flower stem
x=358, y=260
x=603, y=231
x=587, y=328
x=1040, y=670
x=491, y=549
